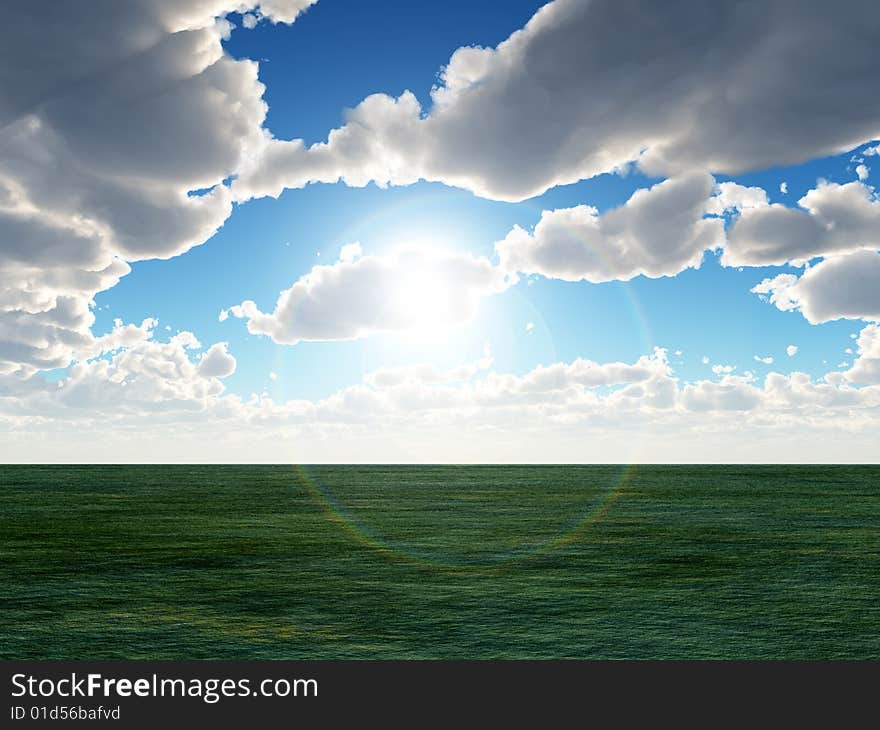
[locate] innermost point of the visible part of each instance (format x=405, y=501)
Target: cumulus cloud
x=767, y=360
x=350, y=252
x=798, y=392
x=839, y=287
x=657, y=232
x=123, y=335
x=398, y=292
x=783, y=188
x=791, y=350
x=586, y=88
x=866, y=367
x=731, y=196
x=732, y=393
x=131, y=374
x=572, y=411
x=120, y=123
x=427, y=373
x=217, y=362
x=582, y=374
x=722, y=369
x=831, y=218
x=862, y=171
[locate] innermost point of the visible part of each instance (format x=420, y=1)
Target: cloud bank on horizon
x=129, y=133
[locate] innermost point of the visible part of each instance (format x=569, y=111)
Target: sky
x=338, y=231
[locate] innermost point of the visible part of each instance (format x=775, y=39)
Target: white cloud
x=831, y=218
x=427, y=374
x=277, y=11
x=397, y=292
x=731, y=196
x=657, y=232
x=577, y=411
x=586, y=88
x=530, y=327
x=839, y=287
x=766, y=360
x=732, y=393
x=723, y=369
x=866, y=367
x=273, y=375
x=217, y=362
x=123, y=335
x=130, y=374
x=783, y=188
x=579, y=373
x=791, y=350
x=350, y=252
x=120, y=122
x=863, y=171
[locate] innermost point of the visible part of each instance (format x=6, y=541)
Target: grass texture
x=190, y=562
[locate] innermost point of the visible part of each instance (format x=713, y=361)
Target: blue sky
x=327, y=62
x=551, y=102
x=250, y=257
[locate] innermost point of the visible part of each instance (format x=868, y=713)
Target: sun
x=426, y=295
x=424, y=298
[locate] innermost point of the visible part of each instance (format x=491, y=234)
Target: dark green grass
x=469, y=562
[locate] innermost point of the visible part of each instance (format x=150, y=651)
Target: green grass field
x=419, y=562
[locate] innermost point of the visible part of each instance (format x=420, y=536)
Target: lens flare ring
x=571, y=531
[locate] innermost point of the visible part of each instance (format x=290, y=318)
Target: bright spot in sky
x=426, y=299
x=432, y=291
